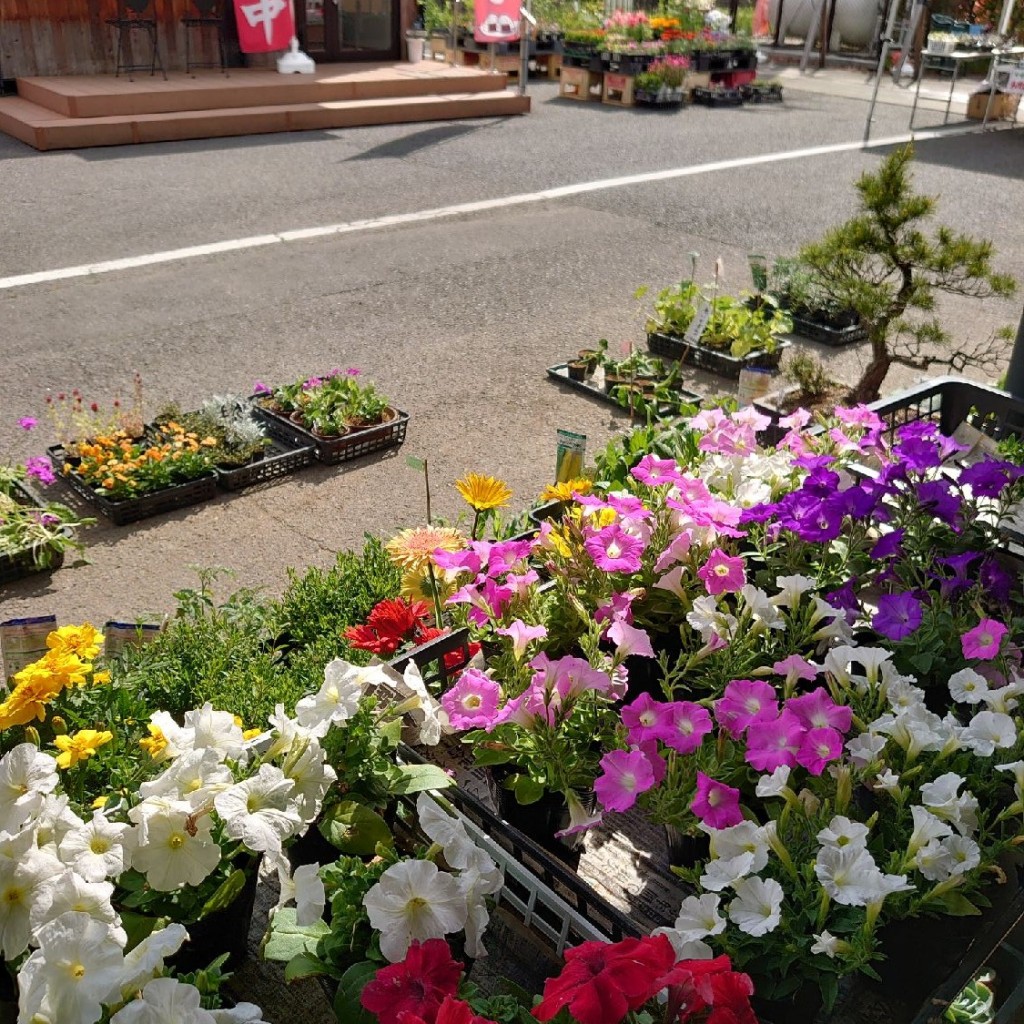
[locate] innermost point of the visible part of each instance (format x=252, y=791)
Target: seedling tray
x=560, y=373
x=717, y=97
x=825, y=334
x=15, y=565
x=279, y=459
x=674, y=347
x=642, y=98
x=769, y=94
x=334, y=450
x=131, y=510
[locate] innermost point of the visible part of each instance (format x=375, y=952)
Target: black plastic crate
x=434, y=660
x=131, y=510
x=950, y=401
x=764, y=94
x=826, y=334
x=674, y=347
x=15, y=565
x=334, y=450
x=643, y=98
x=717, y=97
x=278, y=461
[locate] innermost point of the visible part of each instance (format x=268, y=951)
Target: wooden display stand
x=618, y=90
x=580, y=84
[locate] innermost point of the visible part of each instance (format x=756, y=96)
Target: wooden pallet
x=580, y=84
x=618, y=90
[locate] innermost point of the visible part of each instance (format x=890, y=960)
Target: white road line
x=460, y=209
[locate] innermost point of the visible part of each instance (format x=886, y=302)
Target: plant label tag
x=569, y=456
x=413, y=463
x=699, y=323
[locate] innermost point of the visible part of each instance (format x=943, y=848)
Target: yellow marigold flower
x=84, y=641
x=100, y=801
x=564, y=491
x=251, y=734
x=155, y=743
x=99, y=678
x=483, y=492
x=110, y=483
x=28, y=699
x=83, y=744
x=412, y=549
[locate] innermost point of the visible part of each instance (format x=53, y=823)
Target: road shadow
x=996, y=153
x=427, y=138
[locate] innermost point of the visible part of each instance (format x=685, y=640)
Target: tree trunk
x=869, y=386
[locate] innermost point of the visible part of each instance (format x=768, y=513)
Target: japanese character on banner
x=497, y=21
x=264, y=25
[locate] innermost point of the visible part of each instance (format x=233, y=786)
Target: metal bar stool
x=136, y=16
x=207, y=14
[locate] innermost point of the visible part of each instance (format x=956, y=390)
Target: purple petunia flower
x=817, y=710
x=845, y=598
x=898, y=615
x=775, y=743
x=889, y=545
x=646, y=719
x=988, y=478
x=690, y=723
x=472, y=702
x=937, y=498
x=818, y=747
x=996, y=581
x=722, y=574
x=27, y=422
x=744, y=702
x=259, y=388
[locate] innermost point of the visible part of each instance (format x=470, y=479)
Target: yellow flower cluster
x=67, y=663
x=665, y=24
x=565, y=490
x=78, y=747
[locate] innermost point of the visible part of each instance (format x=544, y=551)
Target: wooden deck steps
x=79, y=111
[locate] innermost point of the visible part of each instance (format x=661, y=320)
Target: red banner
x=264, y=25
x=497, y=21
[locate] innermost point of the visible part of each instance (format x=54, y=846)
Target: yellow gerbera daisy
x=412, y=549
x=416, y=586
x=482, y=493
x=81, y=745
x=564, y=491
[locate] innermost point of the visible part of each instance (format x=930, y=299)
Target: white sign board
x=699, y=323
x=1015, y=83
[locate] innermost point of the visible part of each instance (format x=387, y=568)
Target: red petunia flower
x=602, y=982
x=453, y=660
x=695, y=985
x=415, y=988
x=451, y=1011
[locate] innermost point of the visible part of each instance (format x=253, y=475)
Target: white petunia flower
x=427, y=716
x=926, y=828
x=968, y=686
x=99, y=849
x=305, y=889
x=165, y=1001
x=26, y=776
x=196, y=776
x=240, y=1013
x=446, y=830
x=178, y=740
x=987, y=731
x=478, y=881
x=70, y=892
x=940, y=797
x=791, y=588
x=828, y=944
x=308, y=770
x=852, y=878
x=761, y=607
x=774, y=784
x=720, y=874
x=65, y=980
x=934, y=861
x=1017, y=767
x=24, y=885
x=699, y=917
x=865, y=748
x=888, y=782
x=414, y=900
x=757, y=908
x=1003, y=699
x=686, y=949
x=903, y=695
x=258, y=810
x=54, y=821
x=964, y=853
x=147, y=958
x=288, y=733
x=842, y=832
x=215, y=730
x=336, y=700
x=175, y=847
x=745, y=837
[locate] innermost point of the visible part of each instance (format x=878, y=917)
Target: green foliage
x=810, y=374
x=882, y=264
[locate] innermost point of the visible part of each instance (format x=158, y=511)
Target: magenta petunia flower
x=259, y=388
x=659, y=767
x=472, y=702
x=654, y=472
x=771, y=745
x=983, y=641
x=690, y=723
x=818, y=747
x=716, y=804
x=817, y=710
x=521, y=635
x=898, y=615
x=627, y=774
x=614, y=550
x=27, y=422
x=619, y=606
x=722, y=574
x=40, y=468
x=646, y=719
x=744, y=702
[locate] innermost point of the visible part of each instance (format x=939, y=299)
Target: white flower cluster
x=415, y=900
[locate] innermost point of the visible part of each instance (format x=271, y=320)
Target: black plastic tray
x=131, y=510
x=278, y=461
x=673, y=347
x=717, y=97
x=560, y=373
x=18, y=564
x=826, y=335
x=333, y=450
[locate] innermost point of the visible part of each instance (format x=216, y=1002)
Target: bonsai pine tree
x=883, y=264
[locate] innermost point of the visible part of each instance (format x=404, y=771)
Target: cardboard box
x=1004, y=106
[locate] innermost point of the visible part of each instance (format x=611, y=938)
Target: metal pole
x=455, y=28
x=524, y=48
x=886, y=41
x=1015, y=371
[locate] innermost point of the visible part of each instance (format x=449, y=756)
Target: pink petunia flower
x=818, y=747
x=690, y=723
x=27, y=422
x=984, y=640
x=521, y=635
x=40, y=468
x=817, y=710
x=794, y=667
x=472, y=702
x=630, y=640
x=646, y=719
x=615, y=550
x=722, y=574
x=744, y=702
x=654, y=472
x=771, y=745
x=627, y=774
x=716, y=804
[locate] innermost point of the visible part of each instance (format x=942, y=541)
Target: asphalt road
x=455, y=318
